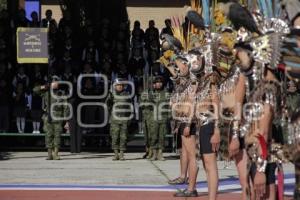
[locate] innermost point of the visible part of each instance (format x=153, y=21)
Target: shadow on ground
x=4, y=156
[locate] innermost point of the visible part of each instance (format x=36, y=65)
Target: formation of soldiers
x=151, y=101
x=235, y=79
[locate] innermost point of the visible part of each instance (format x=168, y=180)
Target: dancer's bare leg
x=189, y=143
x=211, y=169
x=183, y=162
x=241, y=164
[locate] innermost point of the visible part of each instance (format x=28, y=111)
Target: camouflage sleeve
x=144, y=97
x=109, y=101
x=66, y=109
x=38, y=90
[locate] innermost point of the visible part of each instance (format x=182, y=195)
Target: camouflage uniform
x=52, y=128
x=119, y=127
x=159, y=128
x=147, y=118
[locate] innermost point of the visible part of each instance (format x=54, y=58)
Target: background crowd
x=96, y=49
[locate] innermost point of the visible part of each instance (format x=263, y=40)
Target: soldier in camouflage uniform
x=158, y=129
x=52, y=124
x=147, y=107
x=119, y=119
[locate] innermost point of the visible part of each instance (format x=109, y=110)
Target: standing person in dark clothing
x=21, y=77
x=136, y=67
x=48, y=20
x=65, y=20
x=136, y=64
x=21, y=20
x=151, y=35
x=167, y=29
x=4, y=105
x=36, y=110
x=137, y=39
x=89, y=112
x=20, y=104
x=53, y=34
x=68, y=74
x=89, y=34
x=154, y=66
x=90, y=53
x=37, y=76
x=34, y=20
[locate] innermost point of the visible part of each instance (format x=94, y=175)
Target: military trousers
x=158, y=132
x=52, y=133
x=118, y=133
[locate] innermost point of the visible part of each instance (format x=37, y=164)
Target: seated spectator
x=88, y=112
x=152, y=60
x=37, y=76
x=120, y=69
x=107, y=69
x=5, y=99
x=4, y=49
x=53, y=33
x=89, y=34
x=87, y=70
x=71, y=48
x=66, y=20
x=106, y=64
x=105, y=23
x=122, y=44
x=124, y=27
x=105, y=58
x=154, y=48
x=6, y=24
x=48, y=20
x=52, y=58
x=64, y=61
x=136, y=63
x=90, y=53
x=120, y=48
x=105, y=47
x=7, y=32
x=21, y=20
x=21, y=78
x=20, y=104
x=6, y=66
x=68, y=74
x=65, y=40
x=34, y=20
x=104, y=35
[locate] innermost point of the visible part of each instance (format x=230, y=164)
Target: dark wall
x=157, y=3
x=135, y=3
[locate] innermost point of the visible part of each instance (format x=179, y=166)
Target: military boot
x=160, y=155
x=150, y=154
x=55, y=154
x=122, y=155
x=50, y=156
x=116, y=156
x=146, y=154
x=154, y=155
